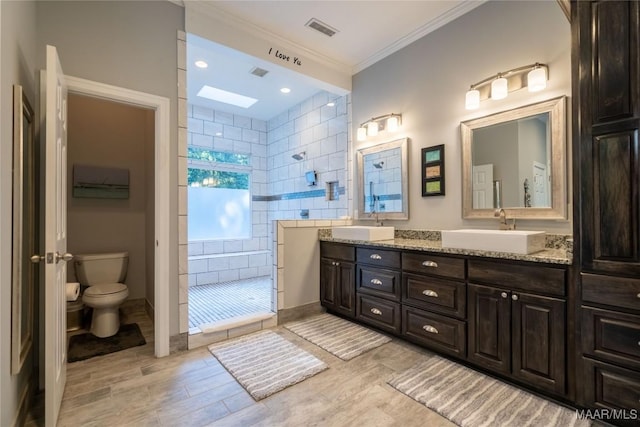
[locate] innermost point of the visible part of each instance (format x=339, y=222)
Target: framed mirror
x=516, y=160
x=23, y=232
x=383, y=185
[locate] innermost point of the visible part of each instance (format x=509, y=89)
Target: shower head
x=378, y=165
x=299, y=156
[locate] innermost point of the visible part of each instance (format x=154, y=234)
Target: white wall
x=126, y=44
x=18, y=47
x=427, y=80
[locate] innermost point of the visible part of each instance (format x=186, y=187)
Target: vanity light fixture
x=388, y=122
x=533, y=76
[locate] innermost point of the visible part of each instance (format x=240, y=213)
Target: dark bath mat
x=85, y=346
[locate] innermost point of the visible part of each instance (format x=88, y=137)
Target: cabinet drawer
x=378, y=281
x=612, y=387
x=378, y=257
x=434, y=265
x=378, y=312
x=611, y=336
x=435, y=331
x=615, y=291
x=439, y=295
x=337, y=251
x=530, y=278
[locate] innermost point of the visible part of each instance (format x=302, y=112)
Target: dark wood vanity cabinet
x=337, y=278
x=434, y=301
x=606, y=158
x=378, y=288
x=517, y=332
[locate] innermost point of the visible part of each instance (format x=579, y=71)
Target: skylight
x=226, y=97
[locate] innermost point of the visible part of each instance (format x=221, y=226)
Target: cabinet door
x=328, y=279
x=345, y=288
x=608, y=108
x=489, y=329
x=538, y=341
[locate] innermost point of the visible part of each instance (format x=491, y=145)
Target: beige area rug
x=339, y=337
x=265, y=363
x=471, y=399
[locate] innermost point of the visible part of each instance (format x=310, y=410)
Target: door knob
x=66, y=257
x=36, y=258
x=514, y=297
x=503, y=295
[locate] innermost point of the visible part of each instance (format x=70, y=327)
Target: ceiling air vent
x=257, y=71
x=320, y=26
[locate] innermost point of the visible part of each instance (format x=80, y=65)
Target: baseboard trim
x=300, y=312
x=149, y=310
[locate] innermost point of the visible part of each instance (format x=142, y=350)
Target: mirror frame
x=556, y=108
x=404, y=163
x=21, y=281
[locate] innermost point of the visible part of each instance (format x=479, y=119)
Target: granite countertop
x=548, y=255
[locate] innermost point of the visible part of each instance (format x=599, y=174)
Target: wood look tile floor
x=191, y=388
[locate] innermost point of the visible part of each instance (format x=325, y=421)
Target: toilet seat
x=104, y=289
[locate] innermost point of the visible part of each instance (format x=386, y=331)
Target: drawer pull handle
x=430, y=293
x=376, y=312
x=429, y=264
x=430, y=329
x=375, y=256
x=376, y=282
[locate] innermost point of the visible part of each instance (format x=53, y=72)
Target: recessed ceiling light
x=285, y=90
x=232, y=98
x=331, y=104
x=201, y=64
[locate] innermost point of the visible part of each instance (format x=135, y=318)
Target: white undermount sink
x=363, y=232
x=513, y=241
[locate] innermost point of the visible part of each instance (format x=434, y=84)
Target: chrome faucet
x=504, y=224
x=374, y=214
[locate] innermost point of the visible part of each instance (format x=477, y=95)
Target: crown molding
x=215, y=13
x=419, y=32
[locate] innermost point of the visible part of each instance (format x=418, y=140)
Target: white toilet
x=103, y=275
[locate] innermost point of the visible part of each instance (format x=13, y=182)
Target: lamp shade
x=537, y=79
x=392, y=124
x=499, y=88
x=472, y=99
x=372, y=129
x=362, y=134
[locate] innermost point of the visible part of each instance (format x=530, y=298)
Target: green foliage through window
x=217, y=179
x=217, y=156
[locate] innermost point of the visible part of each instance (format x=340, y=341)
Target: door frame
x=161, y=107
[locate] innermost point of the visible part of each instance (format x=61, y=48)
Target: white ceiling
x=367, y=32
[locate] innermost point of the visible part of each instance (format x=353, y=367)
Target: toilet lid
x=105, y=289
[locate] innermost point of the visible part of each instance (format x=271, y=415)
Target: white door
x=540, y=186
x=482, y=186
x=55, y=240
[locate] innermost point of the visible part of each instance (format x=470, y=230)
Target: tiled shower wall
x=216, y=261
x=279, y=188
x=321, y=132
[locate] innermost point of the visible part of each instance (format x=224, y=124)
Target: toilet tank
x=94, y=269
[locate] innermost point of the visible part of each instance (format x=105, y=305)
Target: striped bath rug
x=471, y=399
x=339, y=337
x=265, y=363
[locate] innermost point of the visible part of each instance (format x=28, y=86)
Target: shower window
x=219, y=192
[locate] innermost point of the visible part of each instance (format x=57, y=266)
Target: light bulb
x=537, y=79
x=372, y=129
x=362, y=134
x=392, y=124
x=499, y=88
x=472, y=99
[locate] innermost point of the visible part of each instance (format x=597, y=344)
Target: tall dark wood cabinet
x=606, y=179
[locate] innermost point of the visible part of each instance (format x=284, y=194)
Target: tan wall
x=108, y=134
